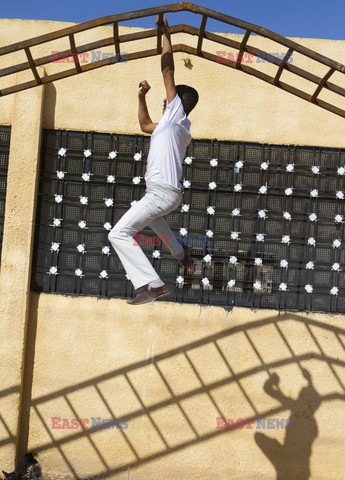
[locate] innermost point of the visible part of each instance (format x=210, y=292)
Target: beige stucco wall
x=171, y=369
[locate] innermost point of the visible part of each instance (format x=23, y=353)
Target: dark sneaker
x=145, y=295
x=187, y=261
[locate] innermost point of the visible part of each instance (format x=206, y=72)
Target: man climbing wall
x=169, y=140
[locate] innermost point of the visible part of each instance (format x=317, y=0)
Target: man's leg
x=162, y=229
x=133, y=259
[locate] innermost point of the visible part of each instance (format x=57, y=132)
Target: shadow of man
x=291, y=460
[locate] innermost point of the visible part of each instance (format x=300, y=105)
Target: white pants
x=159, y=200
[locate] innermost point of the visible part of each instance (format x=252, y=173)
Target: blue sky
x=292, y=18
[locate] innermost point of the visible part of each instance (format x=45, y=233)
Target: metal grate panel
x=5, y=135
x=272, y=218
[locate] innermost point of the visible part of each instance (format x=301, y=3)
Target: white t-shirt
x=168, y=146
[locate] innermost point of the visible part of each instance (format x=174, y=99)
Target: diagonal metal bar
x=33, y=66
x=322, y=84
x=242, y=49
x=201, y=33
x=159, y=33
x=116, y=38
x=282, y=66
x=74, y=53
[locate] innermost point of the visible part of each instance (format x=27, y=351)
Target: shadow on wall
x=49, y=106
x=121, y=393
x=291, y=460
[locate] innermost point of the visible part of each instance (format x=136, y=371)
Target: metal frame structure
x=118, y=40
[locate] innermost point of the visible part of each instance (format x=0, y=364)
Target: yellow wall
x=171, y=369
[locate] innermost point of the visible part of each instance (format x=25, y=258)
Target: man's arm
x=167, y=61
x=146, y=124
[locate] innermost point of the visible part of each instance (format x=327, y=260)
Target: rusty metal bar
x=282, y=66
x=74, y=53
x=322, y=84
x=242, y=49
x=116, y=39
x=159, y=33
x=33, y=66
x=201, y=34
